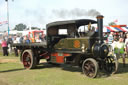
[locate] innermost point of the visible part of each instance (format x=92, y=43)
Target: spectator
x=119, y=49
x=105, y=35
x=115, y=41
x=21, y=39
x=42, y=38
x=27, y=40
x=38, y=39
x=24, y=39
x=18, y=39
x=126, y=40
x=9, y=42
x=15, y=41
x=121, y=34
x=15, y=49
x=4, y=47
x=110, y=38
x=126, y=44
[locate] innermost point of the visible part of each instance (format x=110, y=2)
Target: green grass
x=13, y=73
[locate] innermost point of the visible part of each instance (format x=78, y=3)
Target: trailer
x=66, y=45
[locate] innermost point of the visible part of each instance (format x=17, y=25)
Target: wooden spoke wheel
x=90, y=67
x=111, y=64
x=29, y=61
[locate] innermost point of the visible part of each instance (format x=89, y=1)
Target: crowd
x=7, y=41
x=118, y=41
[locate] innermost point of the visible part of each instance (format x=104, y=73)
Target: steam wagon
x=73, y=42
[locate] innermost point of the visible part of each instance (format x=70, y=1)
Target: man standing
x=110, y=38
x=9, y=42
x=119, y=49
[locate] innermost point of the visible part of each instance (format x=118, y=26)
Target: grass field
x=13, y=73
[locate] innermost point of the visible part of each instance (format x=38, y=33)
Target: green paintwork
x=68, y=43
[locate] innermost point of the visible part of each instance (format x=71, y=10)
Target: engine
x=100, y=50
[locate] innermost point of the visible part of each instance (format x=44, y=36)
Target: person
x=38, y=39
x=110, y=38
x=119, y=49
x=126, y=44
x=121, y=34
x=15, y=49
x=115, y=41
x=27, y=40
x=105, y=35
x=21, y=39
x=18, y=39
x=4, y=47
x=9, y=42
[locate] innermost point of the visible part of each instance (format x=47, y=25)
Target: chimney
x=100, y=27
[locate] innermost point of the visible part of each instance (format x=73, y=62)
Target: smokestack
x=100, y=27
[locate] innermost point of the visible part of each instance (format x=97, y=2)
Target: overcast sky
x=40, y=12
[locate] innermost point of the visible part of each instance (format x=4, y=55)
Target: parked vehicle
x=66, y=44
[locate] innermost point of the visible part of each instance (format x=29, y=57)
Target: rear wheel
x=29, y=61
x=90, y=67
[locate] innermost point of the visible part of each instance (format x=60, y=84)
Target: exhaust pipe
x=100, y=27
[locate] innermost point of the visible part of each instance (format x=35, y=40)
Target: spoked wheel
x=90, y=67
x=111, y=64
x=29, y=61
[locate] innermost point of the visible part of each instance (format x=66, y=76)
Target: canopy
x=114, y=29
x=78, y=22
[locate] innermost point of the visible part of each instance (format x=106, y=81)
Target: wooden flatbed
x=30, y=45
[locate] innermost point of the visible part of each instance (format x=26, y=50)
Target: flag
x=3, y=22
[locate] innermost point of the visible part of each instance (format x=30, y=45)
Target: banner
x=3, y=22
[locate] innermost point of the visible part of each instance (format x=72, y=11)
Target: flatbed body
x=30, y=45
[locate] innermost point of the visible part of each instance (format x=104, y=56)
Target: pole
x=8, y=15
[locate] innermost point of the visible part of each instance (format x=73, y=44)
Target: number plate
x=60, y=54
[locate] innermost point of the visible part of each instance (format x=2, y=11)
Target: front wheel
x=90, y=67
x=111, y=64
x=28, y=60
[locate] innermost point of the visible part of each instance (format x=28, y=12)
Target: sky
x=38, y=13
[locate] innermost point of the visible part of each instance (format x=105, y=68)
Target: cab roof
x=78, y=22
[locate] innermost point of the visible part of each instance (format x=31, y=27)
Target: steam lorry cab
x=73, y=42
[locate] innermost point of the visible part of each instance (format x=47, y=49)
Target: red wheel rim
x=26, y=60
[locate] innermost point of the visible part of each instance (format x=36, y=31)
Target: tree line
x=21, y=27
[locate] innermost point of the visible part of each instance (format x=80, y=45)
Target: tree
x=34, y=28
x=112, y=23
x=20, y=27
